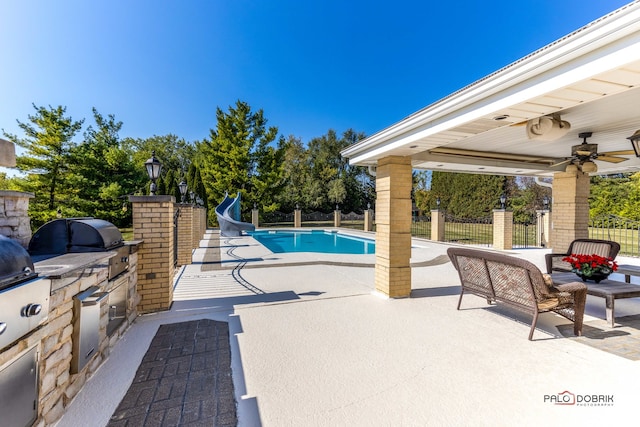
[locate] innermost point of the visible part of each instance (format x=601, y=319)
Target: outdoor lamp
x=154, y=167
x=503, y=200
x=438, y=202
x=183, y=189
x=191, y=196
x=635, y=142
x=545, y=202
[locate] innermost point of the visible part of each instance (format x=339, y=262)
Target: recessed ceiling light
x=439, y=166
x=413, y=146
x=501, y=117
x=480, y=168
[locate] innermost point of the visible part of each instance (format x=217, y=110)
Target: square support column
x=543, y=231
x=195, y=230
x=153, y=224
x=368, y=220
x=437, y=225
x=336, y=218
x=297, y=218
x=255, y=217
x=570, y=219
x=393, y=227
x=185, y=234
x=502, y=229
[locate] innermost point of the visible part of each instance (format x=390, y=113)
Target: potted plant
x=593, y=266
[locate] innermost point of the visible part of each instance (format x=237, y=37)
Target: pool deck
x=312, y=344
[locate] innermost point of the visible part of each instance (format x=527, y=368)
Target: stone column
x=502, y=229
x=153, y=224
x=185, y=233
x=255, y=217
x=14, y=218
x=337, y=217
x=393, y=227
x=570, y=207
x=437, y=225
x=543, y=231
x=297, y=218
x=368, y=219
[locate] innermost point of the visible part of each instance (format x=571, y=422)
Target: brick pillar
x=393, y=227
x=255, y=217
x=196, y=235
x=543, y=231
x=337, y=217
x=185, y=234
x=437, y=225
x=297, y=218
x=502, y=229
x=368, y=220
x=14, y=218
x=153, y=223
x=570, y=218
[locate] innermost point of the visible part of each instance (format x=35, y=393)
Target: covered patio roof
x=589, y=78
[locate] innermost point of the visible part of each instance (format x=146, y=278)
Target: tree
x=48, y=144
x=326, y=165
x=104, y=172
x=469, y=195
x=228, y=159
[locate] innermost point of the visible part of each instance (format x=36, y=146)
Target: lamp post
x=545, y=203
x=192, y=197
x=438, y=203
x=183, y=190
x=503, y=200
x=154, y=167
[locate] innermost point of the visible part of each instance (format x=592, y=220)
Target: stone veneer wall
x=14, y=219
x=57, y=386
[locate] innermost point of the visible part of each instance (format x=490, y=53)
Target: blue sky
x=164, y=66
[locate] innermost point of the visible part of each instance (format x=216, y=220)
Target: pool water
x=282, y=241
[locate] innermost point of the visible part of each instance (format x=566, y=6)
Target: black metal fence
x=625, y=231
x=525, y=234
x=421, y=227
x=471, y=231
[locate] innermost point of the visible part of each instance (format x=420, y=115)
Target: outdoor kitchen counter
x=66, y=268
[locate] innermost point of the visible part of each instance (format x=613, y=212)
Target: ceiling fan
x=583, y=153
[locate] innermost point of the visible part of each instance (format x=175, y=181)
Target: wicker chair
x=605, y=248
x=517, y=283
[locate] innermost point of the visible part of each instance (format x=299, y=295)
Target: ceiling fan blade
x=618, y=153
x=611, y=159
x=564, y=162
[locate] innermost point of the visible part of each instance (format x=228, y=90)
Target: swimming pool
x=283, y=241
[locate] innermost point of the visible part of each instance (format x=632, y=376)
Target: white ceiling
x=590, y=77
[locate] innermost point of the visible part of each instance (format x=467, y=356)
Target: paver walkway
x=184, y=379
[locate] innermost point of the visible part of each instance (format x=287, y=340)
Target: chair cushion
x=548, y=304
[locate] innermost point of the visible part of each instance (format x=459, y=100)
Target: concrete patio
x=313, y=345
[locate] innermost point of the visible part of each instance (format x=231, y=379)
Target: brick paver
x=184, y=379
x=623, y=340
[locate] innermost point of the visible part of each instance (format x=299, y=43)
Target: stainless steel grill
x=79, y=235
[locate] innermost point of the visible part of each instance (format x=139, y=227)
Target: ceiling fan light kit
x=547, y=128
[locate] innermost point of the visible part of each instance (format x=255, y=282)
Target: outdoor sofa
x=517, y=283
x=605, y=248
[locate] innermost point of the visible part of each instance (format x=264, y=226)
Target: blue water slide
x=228, y=213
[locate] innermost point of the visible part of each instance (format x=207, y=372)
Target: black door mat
x=184, y=379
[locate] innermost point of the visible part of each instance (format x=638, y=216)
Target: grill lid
x=66, y=235
x=15, y=263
